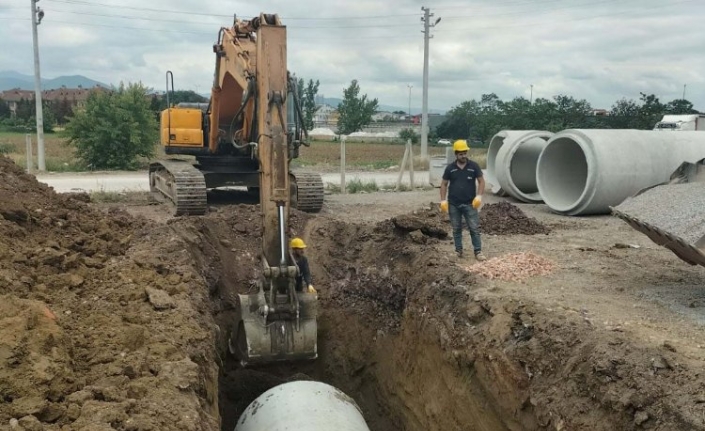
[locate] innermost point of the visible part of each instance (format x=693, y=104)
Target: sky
x=598, y=50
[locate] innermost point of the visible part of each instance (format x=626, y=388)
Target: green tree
x=679, y=107
x=407, y=134
x=4, y=109
x=114, y=128
x=308, y=103
x=25, y=109
x=650, y=112
x=355, y=112
x=186, y=96
x=62, y=110
x=624, y=114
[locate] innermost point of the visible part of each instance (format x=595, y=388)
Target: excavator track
x=181, y=183
x=310, y=192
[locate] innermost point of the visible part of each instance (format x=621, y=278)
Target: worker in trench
x=461, y=196
x=303, y=278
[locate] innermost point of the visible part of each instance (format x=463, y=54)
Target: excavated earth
x=111, y=320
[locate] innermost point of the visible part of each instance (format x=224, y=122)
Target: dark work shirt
x=461, y=187
x=304, y=272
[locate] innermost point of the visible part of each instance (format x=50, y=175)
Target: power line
x=86, y=3
x=210, y=33
x=532, y=24
x=132, y=17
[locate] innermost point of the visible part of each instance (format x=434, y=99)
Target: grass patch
x=133, y=197
x=354, y=186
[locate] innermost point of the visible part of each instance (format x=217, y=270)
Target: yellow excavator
x=228, y=135
x=242, y=137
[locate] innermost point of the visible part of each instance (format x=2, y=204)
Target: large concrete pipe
x=586, y=171
x=511, y=163
x=302, y=405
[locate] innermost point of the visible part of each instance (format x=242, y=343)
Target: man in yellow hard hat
x=304, y=276
x=464, y=197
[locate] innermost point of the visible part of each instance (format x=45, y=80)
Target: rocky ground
x=114, y=316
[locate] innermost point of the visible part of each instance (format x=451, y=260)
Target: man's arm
x=305, y=271
x=444, y=189
x=480, y=185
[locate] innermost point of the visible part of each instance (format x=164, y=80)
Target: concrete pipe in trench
x=586, y=171
x=511, y=163
x=302, y=405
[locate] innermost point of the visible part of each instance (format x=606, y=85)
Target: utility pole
x=531, y=100
x=424, y=110
x=409, y=113
x=37, y=15
x=684, y=91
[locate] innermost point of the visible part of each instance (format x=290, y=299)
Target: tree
x=406, y=134
x=187, y=96
x=679, y=107
x=63, y=110
x=4, y=109
x=355, y=112
x=114, y=128
x=309, y=103
x=624, y=114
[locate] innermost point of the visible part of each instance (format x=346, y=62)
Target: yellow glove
x=477, y=202
x=444, y=206
x=311, y=289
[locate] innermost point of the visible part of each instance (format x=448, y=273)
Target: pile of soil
x=98, y=325
x=503, y=218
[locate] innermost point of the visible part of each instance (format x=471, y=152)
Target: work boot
x=480, y=257
x=459, y=253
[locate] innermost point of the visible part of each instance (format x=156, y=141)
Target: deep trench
x=395, y=369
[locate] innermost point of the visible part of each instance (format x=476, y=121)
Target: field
x=323, y=155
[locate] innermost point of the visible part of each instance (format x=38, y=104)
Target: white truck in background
x=681, y=122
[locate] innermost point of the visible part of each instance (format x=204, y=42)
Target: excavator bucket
x=261, y=336
x=672, y=214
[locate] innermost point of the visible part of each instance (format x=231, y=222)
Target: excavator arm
x=277, y=323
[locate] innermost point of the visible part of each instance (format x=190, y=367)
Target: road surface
x=138, y=181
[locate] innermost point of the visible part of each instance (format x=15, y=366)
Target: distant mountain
x=334, y=101
x=10, y=79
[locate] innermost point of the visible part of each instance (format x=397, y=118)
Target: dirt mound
x=503, y=218
x=96, y=329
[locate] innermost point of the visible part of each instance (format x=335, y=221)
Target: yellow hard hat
x=297, y=243
x=460, y=145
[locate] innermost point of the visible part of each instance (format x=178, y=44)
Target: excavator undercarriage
x=184, y=185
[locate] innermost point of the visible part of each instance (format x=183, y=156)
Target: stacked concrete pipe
x=581, y=172
x=511, y=163
x=302, y=405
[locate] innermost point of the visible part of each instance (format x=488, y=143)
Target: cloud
x=598, y=50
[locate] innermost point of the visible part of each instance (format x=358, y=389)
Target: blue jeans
x=466, y=213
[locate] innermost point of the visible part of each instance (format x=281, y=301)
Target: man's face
x=461, y=156
x=298, y=252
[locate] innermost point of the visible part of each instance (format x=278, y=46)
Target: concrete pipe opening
x=523, y=160
x=562, y=174
x=496, y=144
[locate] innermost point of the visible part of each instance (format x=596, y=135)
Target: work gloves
x=477, y=202
x=311, y=289
x=444, y=206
